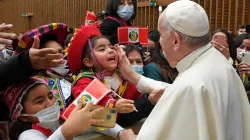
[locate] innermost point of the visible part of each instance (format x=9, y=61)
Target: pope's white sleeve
x=147, y=85
x=37, y=135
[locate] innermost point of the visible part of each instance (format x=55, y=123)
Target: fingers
x=128, y=106
x=56, y=63
x=79, y=106
x=128, y=101
x=36, y=43
x=4, y=27
x=97, y=111
x=46, y=51
x=96, y=122
x=88, y=106
x=51, y=57
x=5, y=41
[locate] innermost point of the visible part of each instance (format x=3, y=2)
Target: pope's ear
x=177, y=41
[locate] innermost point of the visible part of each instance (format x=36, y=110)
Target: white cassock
x=207, y=101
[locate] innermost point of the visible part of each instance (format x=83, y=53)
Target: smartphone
x=109, y=115
x=245, y=57
x=220, y=39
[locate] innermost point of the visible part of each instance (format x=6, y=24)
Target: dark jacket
x=15, y=70
x=109, y=28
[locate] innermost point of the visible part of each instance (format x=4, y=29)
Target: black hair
x=241, y=27
x=133, y=47
x=239, y=39
x=230, y=42
x=101, y=15
x=154, y=35
x=46, y=38
x=87, y=52
x=158, y=58
x=67, y=40
x=112, y=7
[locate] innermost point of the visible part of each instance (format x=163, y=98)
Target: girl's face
x=105, y=54
x=244, y=47
x=39, y=98
x=135, y=58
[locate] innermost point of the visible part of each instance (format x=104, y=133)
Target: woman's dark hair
x=112, y=7
x=239, y=39
x=230, y=42
x=154, y=35
x=46, y=38
x=87, y=51
x=133, y=47
x=162, y=63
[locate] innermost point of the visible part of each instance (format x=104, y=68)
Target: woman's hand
x=224, y=49
x=244, y=67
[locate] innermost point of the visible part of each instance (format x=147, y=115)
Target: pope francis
x=207, y=101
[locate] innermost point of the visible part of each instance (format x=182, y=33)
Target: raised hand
x=80, y=120
x=6, y=38
x=44, y=58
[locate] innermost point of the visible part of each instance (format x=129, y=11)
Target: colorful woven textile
x=58, y=29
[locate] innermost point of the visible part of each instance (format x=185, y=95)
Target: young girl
x=91, y=55
x=135, y=57
x=32, y=103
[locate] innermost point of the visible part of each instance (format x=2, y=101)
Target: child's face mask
x=48, y=117
x=125, y=12
x=138, y=69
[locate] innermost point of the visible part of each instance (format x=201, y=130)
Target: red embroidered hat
x=77, y=44
x=13, y=95
x=60, y=30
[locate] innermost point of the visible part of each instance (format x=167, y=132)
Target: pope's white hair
x=189, y=40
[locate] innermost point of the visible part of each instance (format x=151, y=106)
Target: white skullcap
x=188, y=18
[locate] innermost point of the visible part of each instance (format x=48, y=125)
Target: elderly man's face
x=167, y=44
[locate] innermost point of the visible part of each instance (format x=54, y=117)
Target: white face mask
x=61, y=70
x=138, y=69
x=48, y=117
x=4, y=55
x=125, y=12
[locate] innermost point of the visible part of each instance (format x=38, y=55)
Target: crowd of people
x=185, y=82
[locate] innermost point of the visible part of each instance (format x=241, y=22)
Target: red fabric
x=45, y=131
x=12, y=95
x=77, y=45
x=131, y=92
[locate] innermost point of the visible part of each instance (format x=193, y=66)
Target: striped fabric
x=59, y=29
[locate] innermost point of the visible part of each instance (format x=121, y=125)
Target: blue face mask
x=125, y=12
x=138, y=69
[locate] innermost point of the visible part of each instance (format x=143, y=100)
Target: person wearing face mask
x=243, y=67
x=135, y=57
x=35, y=107
x=120, y=13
